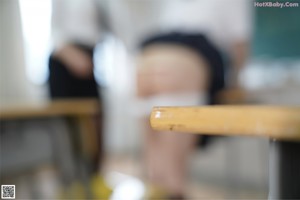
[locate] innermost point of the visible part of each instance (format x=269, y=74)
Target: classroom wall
x=14, y=85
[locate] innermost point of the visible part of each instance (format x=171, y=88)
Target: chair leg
x=284, y=170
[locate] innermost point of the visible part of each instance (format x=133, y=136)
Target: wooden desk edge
x=54, y=108
x=278, y=122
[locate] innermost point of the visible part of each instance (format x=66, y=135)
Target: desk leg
x=90, y=140
x=284, y=170
x=88, y=148
x=80, y=161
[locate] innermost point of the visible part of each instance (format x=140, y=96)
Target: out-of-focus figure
x=179, y=65
x=185, y=68
x=77, y=26
x=176, y=69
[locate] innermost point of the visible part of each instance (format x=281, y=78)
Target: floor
x=124, y=173
x=129, y=169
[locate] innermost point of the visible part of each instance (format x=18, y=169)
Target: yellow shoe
x=99, y=188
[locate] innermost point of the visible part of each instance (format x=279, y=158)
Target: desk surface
x=50, y=109
x=280, y=122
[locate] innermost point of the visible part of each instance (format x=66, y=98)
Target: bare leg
x=166, y=155
x=163, y=70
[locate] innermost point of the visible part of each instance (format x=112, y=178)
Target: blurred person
x=223, y=25
x=77, y=26
x=184, y=65
x=175, y=69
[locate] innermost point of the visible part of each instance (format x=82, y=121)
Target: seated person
x=76, y=29
x=175, y=69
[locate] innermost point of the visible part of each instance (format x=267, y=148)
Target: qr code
x=8, y=191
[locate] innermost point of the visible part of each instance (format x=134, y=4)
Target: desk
x=279, y=123
x=74, y=107
x=80, y=112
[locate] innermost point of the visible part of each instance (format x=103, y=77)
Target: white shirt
x=223, y=21
x=75, y=21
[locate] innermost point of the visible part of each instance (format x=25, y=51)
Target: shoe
x=99, y=188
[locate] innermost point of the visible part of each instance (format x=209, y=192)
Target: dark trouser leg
x=284, y=170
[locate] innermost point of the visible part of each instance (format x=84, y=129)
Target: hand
x=78, y=62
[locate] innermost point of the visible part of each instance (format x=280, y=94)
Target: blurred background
x=230, y=167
